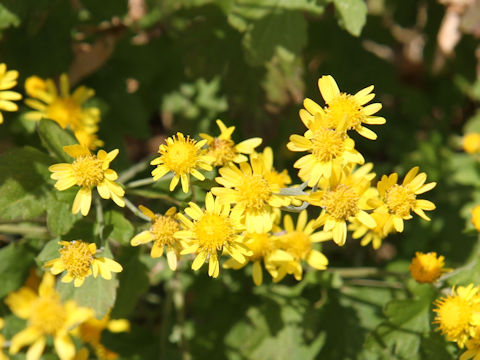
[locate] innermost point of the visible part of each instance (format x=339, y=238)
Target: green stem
x=135, y=210
x=375, y=283
x=179, y=303
x=361, y=272
x=140, y=182
x=23, y=229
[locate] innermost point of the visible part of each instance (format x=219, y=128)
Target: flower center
x=163, y=229
x=65, y=112
x=222, y=150
x=327, y=144
x=297, y=244
x=213, y=231
x=180, y=157
x=48, y=315
x=260, y=244
x=341, y=202
x=453, y=315
x=88, y=170
x=77, y=258
x=400, y=200
x=255, y=192
x=345, y=110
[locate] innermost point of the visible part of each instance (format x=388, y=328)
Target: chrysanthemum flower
x=79, y=260
x=471, y=143
x=161, y=233
x=212, y=230
x=67, y=110
x=458, y=313
x=476, y=217
x=8, y=79
x=373, y=235
x=253, y=195
x=343, y=111
x=298, y=242
x=473, y=349
x=400, y=200
x=88, y=171
x=224, y=150
x=182, y=156
x=330, y=150
x=427, y=268
x=46, y=316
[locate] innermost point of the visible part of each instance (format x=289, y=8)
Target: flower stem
x=135, y=210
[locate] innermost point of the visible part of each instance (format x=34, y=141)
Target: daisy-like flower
x=458, y=313
x=224, y=150
x=88, y=171
x=161, y=233
x=67, y=110
x=182, y=156
x=298, y=242
x=471, y=143
x=400, y=200
x=78, y=259
x=209, y=231
x=473, y=349
x=476, y=217
x=46, y=316
x=2, y=341
x=282, y=179
x=8, y=79
x=253, y=195
x=427, y=268
x=330, y=150
x=373, y=235
x=343, y=111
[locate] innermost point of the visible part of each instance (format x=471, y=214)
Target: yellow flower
x=400, y=200
x=253, y=195
x=46, y=316
x=343, y=111
x=78, y=259
x=212, y=230
x=473, y=349
x=471, y=143
x=182, y=156
x=91, y=332
x=282, y=179
x=476, y=217
x=427, y=268
x=330, y=150
x=2, y=341
x=458, y=313
x=88, y=171
x=298, y=242
x=8, y=79
x=373, y=235
x=161, y=233
x=67, y=110
x=224, y=150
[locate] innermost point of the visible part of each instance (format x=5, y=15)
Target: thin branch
x=135, y=210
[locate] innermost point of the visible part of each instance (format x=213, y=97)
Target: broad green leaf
x=15, y=262
x=54, y=138
x=118, y=227
x=352, y=15
x=7, y=18
x=49, y=252
x=59, y=211
x=23, y=183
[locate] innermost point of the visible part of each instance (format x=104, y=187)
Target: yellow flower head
x=67, y=110
x=46, y=315
x=330, y=150
x=471, y=143
x=282, y=179
x=78, y=259
x=400, y=200
x=224, y=150
x=373, y=235
x=161, y=233
x=476, y=217
x=458, y=313
x=343, y=111
x=427, y=268
x=88, y=171
x=182, y=156
x=247, y=187
x=212, y=230
x=473, y=349
x=8, y=79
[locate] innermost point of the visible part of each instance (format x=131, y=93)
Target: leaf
x=49, y=252
x=59, y=211
x=121, y=228
x=15, y=262
x=352, y=15
x=54, y=138
x=23, y=183
x=7, y=18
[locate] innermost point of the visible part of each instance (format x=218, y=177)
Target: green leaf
x=54, y=138
x=7, y=18
x=49, y=252
x=59, y=211
x=15, y=262
x=23, y=183
x=121, y=229
x=352, y=15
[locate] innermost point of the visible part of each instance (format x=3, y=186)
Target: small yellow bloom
x=473, y=348
x=282, y=179
x=161, y=233
x=78, y=259
x=224, y=150
x=8, y=79
x=67, y=110
x=374, y=235
x=88, y=171
x=46, y=316
x=476, y=217
x=471, y=143
x=427, y=268
x=182, y=156
x=209, y=231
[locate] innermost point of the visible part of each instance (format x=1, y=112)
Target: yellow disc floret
x=400, y=200
x=427, y=268
x=77, y=258
x=48, y=315
x=213, y=231
x=341, y=202
x=344, y=108
x=327, y=144
x=88, y=170
x=254, y=192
